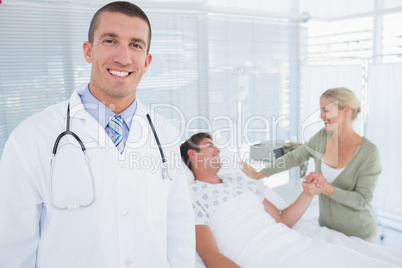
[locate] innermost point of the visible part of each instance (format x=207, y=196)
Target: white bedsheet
x=252, y=239
x=378, y=251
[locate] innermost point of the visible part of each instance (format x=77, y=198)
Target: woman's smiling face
x=331, y=114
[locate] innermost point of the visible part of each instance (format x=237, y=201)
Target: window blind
x=205, y=65
x=173, y=80
x=41, y=58
x=336, y=40
x=392, y=37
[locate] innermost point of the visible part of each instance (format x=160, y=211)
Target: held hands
x=251, y=172
x=316, y=178
x=310, y=189
x=314, y=183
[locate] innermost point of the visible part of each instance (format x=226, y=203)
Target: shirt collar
x=102, y=113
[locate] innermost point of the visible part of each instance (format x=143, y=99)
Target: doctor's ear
x=87, y=47
x=148, y=60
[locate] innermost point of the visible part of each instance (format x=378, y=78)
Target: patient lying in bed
x=237, y=226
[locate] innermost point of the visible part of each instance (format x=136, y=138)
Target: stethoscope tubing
x=165, y=170
x=156, y=139
x=52, y=163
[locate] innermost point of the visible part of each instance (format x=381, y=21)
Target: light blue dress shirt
x=103, y=114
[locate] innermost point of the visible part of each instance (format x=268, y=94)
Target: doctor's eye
x=136, y=46
x=109, y=41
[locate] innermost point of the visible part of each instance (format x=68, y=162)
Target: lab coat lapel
x=139, y=131
x=90, y=126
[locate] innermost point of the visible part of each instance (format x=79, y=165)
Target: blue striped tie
x=116, y=131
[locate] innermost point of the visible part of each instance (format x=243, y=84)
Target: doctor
x=116, y=210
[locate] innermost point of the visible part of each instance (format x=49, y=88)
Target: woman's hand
x=251, y=172
x=316, y=178
x=311, y=189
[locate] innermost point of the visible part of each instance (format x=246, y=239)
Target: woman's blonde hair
x=344, y=97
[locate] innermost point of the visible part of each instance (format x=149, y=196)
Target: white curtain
x=251, y=79
x=318, y=78
x=384, y=128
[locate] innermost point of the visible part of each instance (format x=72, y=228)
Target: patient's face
x=208, y=155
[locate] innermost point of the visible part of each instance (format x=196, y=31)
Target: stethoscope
x=165, y=167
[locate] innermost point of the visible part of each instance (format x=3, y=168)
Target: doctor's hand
x=316, y=178
x=251, y=172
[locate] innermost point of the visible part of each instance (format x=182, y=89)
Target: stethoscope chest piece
x=166, y=174
x=165, y=166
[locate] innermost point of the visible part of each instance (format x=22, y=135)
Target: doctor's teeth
x=121, y=74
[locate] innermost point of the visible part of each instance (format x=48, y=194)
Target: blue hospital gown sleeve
x=200, y=216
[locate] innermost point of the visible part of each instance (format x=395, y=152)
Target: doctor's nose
x=123, y=56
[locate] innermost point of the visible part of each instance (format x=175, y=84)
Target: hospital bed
x=308, y=225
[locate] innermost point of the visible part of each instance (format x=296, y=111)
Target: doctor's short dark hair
x=122, y=7
x=192, y=144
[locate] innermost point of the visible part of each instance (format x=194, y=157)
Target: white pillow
x=189, y=175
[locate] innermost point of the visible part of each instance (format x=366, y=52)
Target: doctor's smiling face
x=119, y=58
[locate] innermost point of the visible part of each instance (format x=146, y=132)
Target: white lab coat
x=138, y=219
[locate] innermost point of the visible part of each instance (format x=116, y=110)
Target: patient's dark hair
x=192, y=144
x=122, y=7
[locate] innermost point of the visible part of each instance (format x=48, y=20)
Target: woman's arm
x=313, y=148
x=360, y=196
x=289, y=160
x=208, y=249
x=251, y=172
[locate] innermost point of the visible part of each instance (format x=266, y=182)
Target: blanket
x=249, y=236
x=313, y=230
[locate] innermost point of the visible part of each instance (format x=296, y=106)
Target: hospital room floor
x=289, y=192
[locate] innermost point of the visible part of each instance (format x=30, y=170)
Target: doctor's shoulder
x=41, y=127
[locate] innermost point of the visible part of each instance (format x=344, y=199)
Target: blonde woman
x=347, y=166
